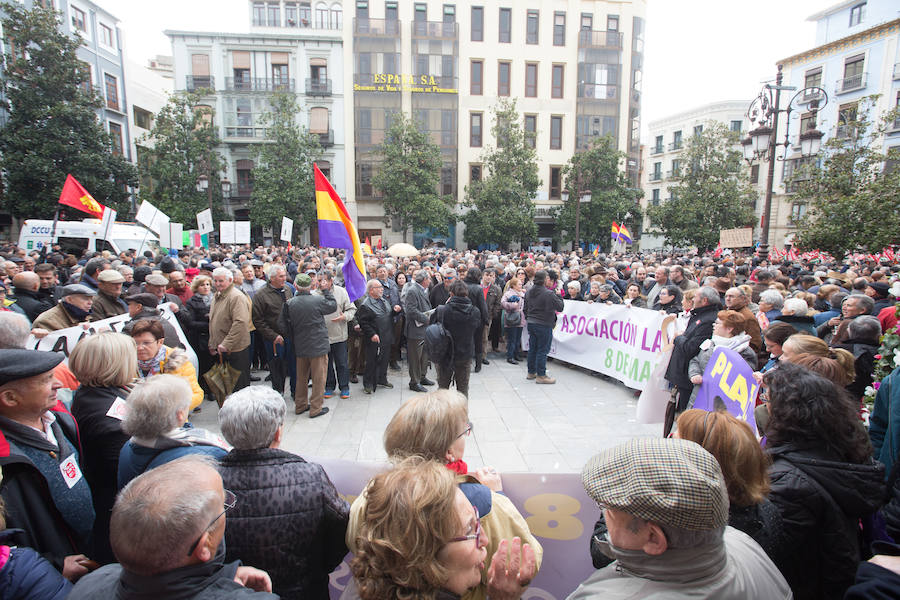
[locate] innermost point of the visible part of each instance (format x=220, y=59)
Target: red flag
x=718, y=251
x=378, y=245
x=74, y=195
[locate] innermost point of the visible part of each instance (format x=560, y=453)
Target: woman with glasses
x=419, y=536
x=669, y=300
x=154, y=357
x=435, y=426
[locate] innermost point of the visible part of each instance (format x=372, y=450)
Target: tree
x=597, y=170
x=52, y=129
x=501, y=205
x=283, y=182
x=182, y=149
x=714, y=192
x=854, y=200
x=409, y=177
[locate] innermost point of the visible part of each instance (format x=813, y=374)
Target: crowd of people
x=107, y=485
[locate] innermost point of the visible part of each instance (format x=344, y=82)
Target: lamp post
x=762, y=142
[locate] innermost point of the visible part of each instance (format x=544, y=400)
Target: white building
x=147, y=93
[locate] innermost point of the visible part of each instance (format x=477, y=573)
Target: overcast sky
x=697, y=51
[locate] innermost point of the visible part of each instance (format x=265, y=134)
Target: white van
x=77, y=236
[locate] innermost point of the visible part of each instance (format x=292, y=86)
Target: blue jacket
x=135, y=459
x=27, y=576
x=884, y=424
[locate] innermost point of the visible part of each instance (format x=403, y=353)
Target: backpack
x=438, y=342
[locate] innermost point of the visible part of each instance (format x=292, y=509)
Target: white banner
x=226, y=232
x=615, y=340
x=63, y=340
x=204, y=222
x=151, y=217
x=287, y=228
x=242, y=232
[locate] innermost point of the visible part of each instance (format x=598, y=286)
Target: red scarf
x=458, y=466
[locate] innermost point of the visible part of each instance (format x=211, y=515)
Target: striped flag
x=336, y=230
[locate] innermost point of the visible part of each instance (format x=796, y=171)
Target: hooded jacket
x=821, y=500
x=460, y=318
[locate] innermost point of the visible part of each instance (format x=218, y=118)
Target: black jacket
x=821, y=501
x=438, y=294
x=289, y=520
x=103, y=440
x=198, y=323
x=33, y=303
x=460, y=319
x=476, y=295
x=863, y=362
x=541, y=306
x=687, y=345
x=369, y=324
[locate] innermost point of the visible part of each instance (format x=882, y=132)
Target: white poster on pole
x=151, y=217
x=287, y=227
x=164, y=236
x=226, y=232
x=106, y=223
x=204, y=221
x=242, y=232
x=176, y=239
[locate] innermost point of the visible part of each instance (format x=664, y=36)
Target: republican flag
x=74, y=195
x=615, y=230
x=336, y=230
x=624, y=234
x=597, y=250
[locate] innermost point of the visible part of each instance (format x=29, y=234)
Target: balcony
x=657, y=176
x=588, y=38
x=673, y=175
x=657, y=150
x=326, y=138
x=200, y=82
x=434, y=29
x=258, y=84
x=318, y=87
x=810, y=96
x=676, y=145
x=376, y=27
x=598, y=91
x=850, y=84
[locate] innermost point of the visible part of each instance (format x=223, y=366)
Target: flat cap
x=205, y=265
x=303, y=280
x=668, y=481
x=77, y=288
x=880, y=287
x=16, y=364
x=256, y=263
x=144, y=298
x=156, y=279
x=110, y=276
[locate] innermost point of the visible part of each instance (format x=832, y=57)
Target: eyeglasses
x=147, y=344
x=230, y=502
x=471, y=536
x=468, y=430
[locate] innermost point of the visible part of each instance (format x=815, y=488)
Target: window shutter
x=240, y=59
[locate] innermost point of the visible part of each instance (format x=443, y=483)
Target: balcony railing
x=655, y=176
x=326, y=139
x=598, y=91
x=849, y=84
x=376, y=27
x=673, y=174
x=656, y=150
x=200, y=82
x=676, y=146
x=810, y=96
x=318, y=87
x=434, y=29
x=588, y=38
x=258, y=84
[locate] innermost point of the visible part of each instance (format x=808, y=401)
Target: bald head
x=27, y=280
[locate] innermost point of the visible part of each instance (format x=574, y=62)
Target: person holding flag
x=336, y=230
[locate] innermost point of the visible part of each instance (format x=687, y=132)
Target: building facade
x=292, y=47
x=574, y=69
x=662, y=160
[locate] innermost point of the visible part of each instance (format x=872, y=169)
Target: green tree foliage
x=283, y=184
x=182, y=148
x=52, y=129
x=409, y=176
x=714, y=192
x=597, y=170
x=501, y=205
x=854, y=201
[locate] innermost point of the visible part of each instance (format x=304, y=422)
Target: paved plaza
x=519, y=426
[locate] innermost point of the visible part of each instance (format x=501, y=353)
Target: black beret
x=16, y=364
x=145, y=298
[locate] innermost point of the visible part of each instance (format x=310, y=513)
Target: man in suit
x=415, y=305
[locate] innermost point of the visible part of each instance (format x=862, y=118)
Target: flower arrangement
x=887, y=359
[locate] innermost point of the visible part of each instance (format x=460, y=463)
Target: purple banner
x=728, y=384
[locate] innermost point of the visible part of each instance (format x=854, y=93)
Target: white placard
x=242, y=232
x=204, y=222
x=151, y=217
x=287, y=227
x=106, y=223
x=226, y=232
x=164, y=234
x=176, y=239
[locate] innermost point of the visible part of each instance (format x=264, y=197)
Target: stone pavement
x=519, y=426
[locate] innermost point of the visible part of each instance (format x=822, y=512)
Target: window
x=306, y=14
x=658, y=145
x=87, y=78
x=362, y=8
x=79, y=21
x=798, y=210
x=555, y=183
x=531, y=27
x=475, y=129
x=259, y=13
x=559, y=28
x=736, y=126
x=115, y=134
x=280, y=72
x=474, y=173
x=846, y=120
x=337, y=17
x=612, y=22
x=142, y=118
x=449, y=13
x=807, y=121
x=556, y=85
x=698, y=129
x=476, y=86
x=244, y=169
x=676, y=168
x=676, y=140
x=587, y=21
x=106, y=36
x=654, y=198
x=656, y=175
x=857, y=14
x=273, y=14
x=853, y=73
x=503, y=69
x=531, y=130
x=505, y=25
x=813, y=78
x=531, y=71
x=420, y=12
x=754, y=174
x=318, y=120
x=556, y=132
x=290, y=14
x=321, y=16
x=390, y=11
x=477, y=24
x=112, y=91
x=447, y=180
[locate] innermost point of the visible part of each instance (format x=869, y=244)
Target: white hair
x=795, y=306
x=14, y=329
x=772, y=297
x=223, y=272
x=153, y=406
x=250, y=417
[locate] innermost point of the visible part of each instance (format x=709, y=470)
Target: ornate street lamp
x=762, y=142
